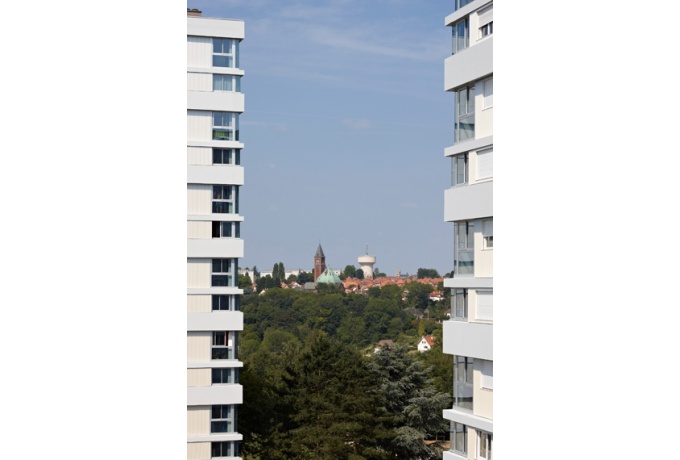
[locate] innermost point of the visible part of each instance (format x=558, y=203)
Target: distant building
x=329, y=277
x=426, y=343
x=319, y=262
x=366, y=263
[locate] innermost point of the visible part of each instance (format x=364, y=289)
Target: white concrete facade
x=214, y=245
x=468, y=205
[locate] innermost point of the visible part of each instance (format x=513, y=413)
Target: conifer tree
x=337, y=414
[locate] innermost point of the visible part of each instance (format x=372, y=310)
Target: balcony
x=218, y=174
x=215, y=321
x=467, y=418
x=468, y=339
x=467, y=202
x=215, y=248
x=229, y=101
x=469, y=65
x=215, y=394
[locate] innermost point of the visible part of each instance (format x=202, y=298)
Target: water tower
x=366, y=262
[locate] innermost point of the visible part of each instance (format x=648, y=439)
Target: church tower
x=319, y=262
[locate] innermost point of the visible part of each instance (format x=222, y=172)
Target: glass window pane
x=462, y=101
x=471, y=100
x=222, y=61
x=460, y=36
x=219, y=338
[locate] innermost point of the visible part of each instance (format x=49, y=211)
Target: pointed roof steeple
x=319, y=253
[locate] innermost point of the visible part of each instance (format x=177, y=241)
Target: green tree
x=275, y=270
x=266, y=282
x=378, y=274
x=245, y=283
x=413, y=400
x=305, y=277
x=336, y=414
x=359, y=274
x=349, y=271
x=427, y=273
x=441, y=365
x=291, y=279
x=418, y=295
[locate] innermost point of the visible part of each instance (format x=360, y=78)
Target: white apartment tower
x=214, y=244
x=468, y=204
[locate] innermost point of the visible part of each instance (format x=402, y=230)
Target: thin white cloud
x=358, y=124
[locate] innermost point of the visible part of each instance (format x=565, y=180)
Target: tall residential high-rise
x=214, y=244
x=468, y=203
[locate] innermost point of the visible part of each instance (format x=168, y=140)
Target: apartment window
x=226, y=229
x=225, y=126
x=226, y=156
x=462, y=381
x=464, y=126
x=226, y=83
x=226, y=302
x=488, y=93
x=223, y=272
x=223, y=449
x=461, y=35
x=222, y=420
x=223, y=345
x=486, y=30
x=459, y=169
x=487, y=232
x=487, y=375
x=485, y=164
x=484, y=445
x=225, y=199
x=459, y=303
x=225, y=52
x=485, y=21
x=457, y=4
x=463, y=248
x=458, y=437
x=224, y=375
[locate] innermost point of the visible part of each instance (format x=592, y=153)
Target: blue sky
x=345, y=125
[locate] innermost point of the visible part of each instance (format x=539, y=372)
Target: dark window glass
x=220, y=338
x=221, y=280
x=222, y=375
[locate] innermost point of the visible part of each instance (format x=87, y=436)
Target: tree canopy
x=427, y=273
x=314, y=389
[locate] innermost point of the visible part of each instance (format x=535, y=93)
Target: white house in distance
x=214, y=244
x=468, y=205
x=426, y=343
